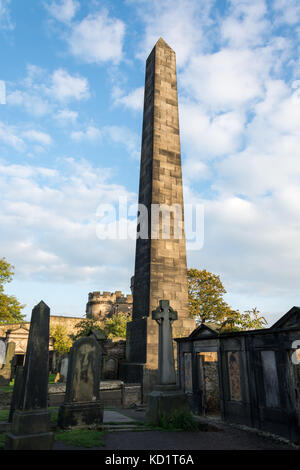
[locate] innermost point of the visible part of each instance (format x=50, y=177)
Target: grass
x=81, y=438
x=51, y=378
x=53, y=415
x=4, y=415
x=9, y=388
x=2, y=441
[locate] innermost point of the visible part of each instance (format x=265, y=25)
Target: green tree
x=248, y=320
x=206, y=304
x=85, y=326
x=61, y=338
x=10, y=307
x=205, y=295
x=115, y=326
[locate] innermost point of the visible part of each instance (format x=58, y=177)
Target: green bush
x=178, y=421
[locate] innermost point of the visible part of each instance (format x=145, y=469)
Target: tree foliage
x=85, y=326
x=112, y=327
x=62, y=340
x=207, y=305
x=10, y=307
x=115, y=326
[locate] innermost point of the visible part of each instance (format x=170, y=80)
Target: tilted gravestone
x=30, y=429
x=166, y=397
x=82, y=405
x=6, y=371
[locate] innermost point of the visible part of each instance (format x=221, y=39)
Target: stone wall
x=18, y=332
x=112, y=393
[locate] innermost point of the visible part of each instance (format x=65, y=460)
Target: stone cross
x=164, y=315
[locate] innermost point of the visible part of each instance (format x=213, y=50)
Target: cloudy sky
x=70, y=135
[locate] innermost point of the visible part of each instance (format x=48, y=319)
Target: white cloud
x=246, y=24
x=210, y=137
x=179, y=23
x=195, y=170
x=124, y=136
x=6, y=23
x=65, y=87
x=91, y=133
x=49, y=225
x=134, y=100
x=33, y=102
x=8, y=136
x=66, y=116
x=227, y=78
x=115, y=134
x=41, y=93
x=63, y=11
x=37, y=136
x=287, y=12
x=97, y=38
x=21, y=140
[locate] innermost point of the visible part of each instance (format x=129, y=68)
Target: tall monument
x=160, y=262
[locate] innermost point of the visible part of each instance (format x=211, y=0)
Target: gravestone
x=16, y=395
x=64, y=369
x=82, y=405
x=166, y=397
x=6, y=371
x=30, y=429
x=2, y=352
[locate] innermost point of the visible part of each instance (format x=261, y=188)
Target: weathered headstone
x=82, y=405
x=6, y=371
x=166, y=396
x=64, y=369
x=30, y=428
x=2, y=352
x=16, y=395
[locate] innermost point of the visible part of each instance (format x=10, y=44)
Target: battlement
x=112, y=297
x=103, y=305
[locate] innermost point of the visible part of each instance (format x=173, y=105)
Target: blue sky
x=70, y=135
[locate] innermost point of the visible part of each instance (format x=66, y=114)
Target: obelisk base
x=30, y=431
x=164, y=401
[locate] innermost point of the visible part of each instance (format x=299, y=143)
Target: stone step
x=121, y=427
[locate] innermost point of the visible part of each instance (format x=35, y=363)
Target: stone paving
x=217, y=436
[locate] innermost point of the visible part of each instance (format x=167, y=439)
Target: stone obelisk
x=160, y=262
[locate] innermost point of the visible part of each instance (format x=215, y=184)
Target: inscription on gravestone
x=82, y=405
